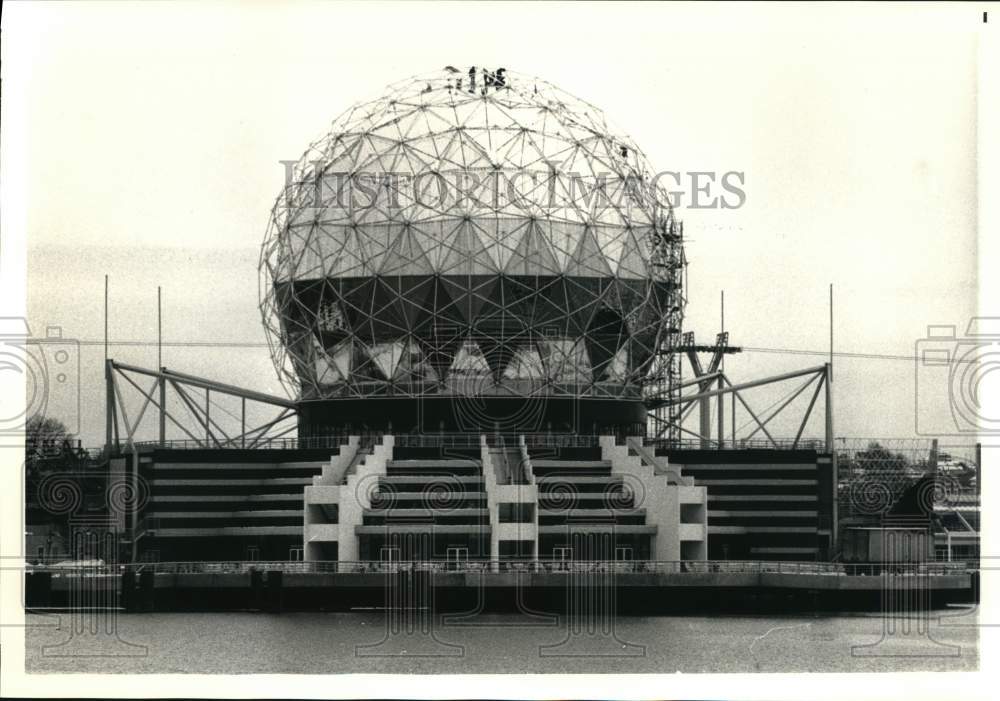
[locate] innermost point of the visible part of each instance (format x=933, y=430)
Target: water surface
x=319, y=643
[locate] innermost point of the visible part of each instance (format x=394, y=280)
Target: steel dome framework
x=477, y=233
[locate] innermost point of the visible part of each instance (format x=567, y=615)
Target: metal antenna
x=831, y=330
x=721, y=418
x=159, y=327
x=722, y=322
x=109, y=396
x=105, y=318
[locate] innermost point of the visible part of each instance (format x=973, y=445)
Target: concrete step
x=263, y=513
x=616, y=528
x=585, y=512
x=738, y=530
x=563, y=478
x=571, y=464
x=755, y=483
x=762, y=513
x=403, y=513
x=234, y=482
x=436, y=528
x=159, y=498
x=429, y=479
x=226, y=531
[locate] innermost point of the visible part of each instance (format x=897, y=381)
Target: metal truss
x=195, y=421
x=471, y=231
x=815, y=378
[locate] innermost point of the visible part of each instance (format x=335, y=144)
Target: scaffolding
x=669, y=267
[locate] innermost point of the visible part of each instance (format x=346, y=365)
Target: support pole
x=109, y=396
x=243, y=422
x=114, y=408
x=721, y=408
x=835, y=534
x=831, y=331
x=159, y=363
x=722, y=417
x=162, y=382
x=732, y=404
x=834, y=467
x=705, y=414
x=109, y=404
x=105, y=317
x=133, y=515
x=805, y=417
x=979, y=471
x=829, y=408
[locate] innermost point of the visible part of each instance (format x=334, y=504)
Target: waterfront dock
x=637, y=587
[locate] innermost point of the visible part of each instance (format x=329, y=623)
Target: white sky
x=162, y=126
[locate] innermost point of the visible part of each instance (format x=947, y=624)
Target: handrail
x=816, y=445
x=466, y=440
x=333, y=441
x=839, y=569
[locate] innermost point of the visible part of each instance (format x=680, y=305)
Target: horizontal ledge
x=432, y=462
x=225, y=497
x=414, y=496
x=548, y=480
x=762, y=497
x=226, y=531
x=278, y=467
x=765, y=513
x=596, y=528
x=235, y=482
x=689, y=469
x=430, y=479
x=390, y=513
x=264, y=513
x=590, y=512
x=422, y=528
x=755, y=483
x=735, y=530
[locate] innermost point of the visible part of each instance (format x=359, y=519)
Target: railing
x=332, y=441
x=557, y=440
x=436, y=440
x=740, y=444
x=471, y=440
x=406, y=440
x=838, y=569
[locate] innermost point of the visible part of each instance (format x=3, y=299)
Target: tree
x=45, y=438
x=879, y=458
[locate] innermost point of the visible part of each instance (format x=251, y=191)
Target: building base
x=473, y=415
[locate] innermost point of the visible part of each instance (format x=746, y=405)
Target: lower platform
x=548, y=591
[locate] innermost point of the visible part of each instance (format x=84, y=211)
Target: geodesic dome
x=470, y=231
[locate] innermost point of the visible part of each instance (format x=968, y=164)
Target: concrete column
x=355, y=497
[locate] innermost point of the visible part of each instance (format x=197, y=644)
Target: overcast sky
x=157, y=132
